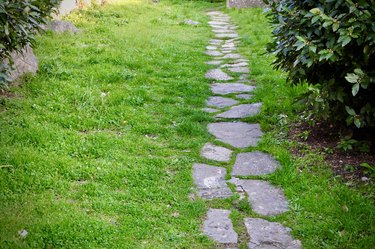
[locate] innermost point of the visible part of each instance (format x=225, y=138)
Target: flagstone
x=218, y=226
x=226, y=88
x=254, y=164
x=217, y=74
x=236, y=134
x=216, y=153
x=241, y=111
x=220, y=102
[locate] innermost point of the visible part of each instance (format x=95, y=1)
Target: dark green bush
x=19, y=21
x=331, y=45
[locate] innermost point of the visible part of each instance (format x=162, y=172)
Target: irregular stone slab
x=210, y=110
x=61, y=26
x=217, y=23
x=211, y=47
x=218, y=226
x=24, y=61
x=241, y=111
x=226, y=51
x=269, y=235
x=213, y=53
x=221, y=102
x=232, y=56
x=239, y=69
x=210, y=181
x=215, y=41
x=226, y=88
x=245, y=3
x=231, y=35
x=191, y=22
x=254, y=164
x=222, y=31
x=214, y=62
x=239, y=134
x=264, y=198
x=216, y=153
x=217, y=74
x=244, y=96
x=240, y=64
x=228, y=45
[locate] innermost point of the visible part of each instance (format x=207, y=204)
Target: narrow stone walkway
x=231, y=101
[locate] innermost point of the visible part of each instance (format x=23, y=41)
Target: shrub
x=19, y=21
x=331, y=45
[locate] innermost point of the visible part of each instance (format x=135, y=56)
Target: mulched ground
x=325, y=138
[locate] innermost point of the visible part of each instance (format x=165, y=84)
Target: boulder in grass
x=24, y=61
x=61, y=26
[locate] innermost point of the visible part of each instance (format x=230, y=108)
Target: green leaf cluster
x=20, y=20
x=331, y=45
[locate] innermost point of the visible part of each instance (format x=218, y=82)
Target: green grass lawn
x=96, y=151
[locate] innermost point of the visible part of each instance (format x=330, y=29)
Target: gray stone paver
x=217, y=74
x=269, y=235
x=220, y=102
x=216, y=153
x=232, y=56
x=237, y=134
x=230, y=35
x=210, y=181
x=239, y=69
x=241, y=111
x=226, y=88
x=254, y=163
x=213, y=53
x=219, y=227
x=264, y=198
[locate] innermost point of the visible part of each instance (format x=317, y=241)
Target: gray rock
x=218, y=226
x=191, y=22
x=221, y=102
x=217, y=23
x=239, y=135
x=229, y=45
x=264, y=198
x=241, y=111
x=226, y=51
x=254, y=164
x=210, y=110
x=210, y=181
x=239, y=69
x=211, y=47
x=216, y=153
x=215, y=41
x=269, y=235
x=230, y=35
x=244, y=96
x=23, y=62
x=232, y=56
x=239, y=64
x=217, y=74
x=214, y=53
x=222, y=31
x=226, y=88
x=61, y=26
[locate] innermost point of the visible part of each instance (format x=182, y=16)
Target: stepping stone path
x=265, y=199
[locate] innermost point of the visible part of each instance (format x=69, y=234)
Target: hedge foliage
x=331, y=45
x=19, y=22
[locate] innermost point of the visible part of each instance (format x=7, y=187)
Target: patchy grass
x=325, y=213
x=96, y=151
